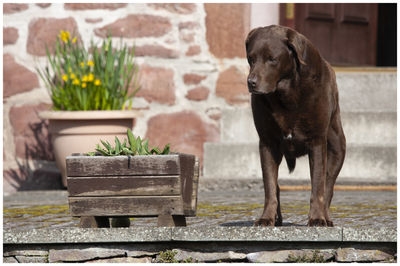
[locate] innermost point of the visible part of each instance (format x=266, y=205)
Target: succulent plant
x=137, y=146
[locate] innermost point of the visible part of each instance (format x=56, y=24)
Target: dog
x=295, y=105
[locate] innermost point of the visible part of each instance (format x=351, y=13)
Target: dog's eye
x=250, y=60
x=272, y=59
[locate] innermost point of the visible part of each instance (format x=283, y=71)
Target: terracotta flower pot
x=80, y=131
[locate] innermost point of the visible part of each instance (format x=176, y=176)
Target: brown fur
x=295, y=106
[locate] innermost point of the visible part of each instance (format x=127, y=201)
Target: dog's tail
x=291, y=163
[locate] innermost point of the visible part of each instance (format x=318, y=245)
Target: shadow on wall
x=36, y=175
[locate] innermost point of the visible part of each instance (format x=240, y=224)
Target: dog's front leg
x=317, y=159
x=270, y=160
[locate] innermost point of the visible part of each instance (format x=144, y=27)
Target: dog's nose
x=252, y=82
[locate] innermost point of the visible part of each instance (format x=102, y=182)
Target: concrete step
x=367, y=91
x=241, y=161
x=369, y=128
x=369, y=117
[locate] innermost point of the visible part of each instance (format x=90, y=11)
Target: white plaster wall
x=264, y=14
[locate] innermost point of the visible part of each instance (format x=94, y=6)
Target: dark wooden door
x=345, y=34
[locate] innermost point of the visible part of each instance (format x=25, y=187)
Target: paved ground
x=365, y=209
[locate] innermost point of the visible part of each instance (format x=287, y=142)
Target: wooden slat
x=126, y=206
x=122, y=165
x=196, y=177
x=124, y=186
x=187, y=163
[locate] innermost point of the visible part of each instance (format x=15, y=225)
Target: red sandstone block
x=17, y=78
x=156, y=51
x=227, y=26
x=231, y=85
x=44, y=31
x=157, y=84
x=198, y=94
x=178, y=8
x=10, y=35
x=185, y=131
x=84, y=6
x=189, y=79
x=31, y=136
x=136, y=26
x=14, y=8
x=193, y=50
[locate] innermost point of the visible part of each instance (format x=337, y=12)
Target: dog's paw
x=278, y=222
x=329, y=223
x=317, y=222
x=264, y=222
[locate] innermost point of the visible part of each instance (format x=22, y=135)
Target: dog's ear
x=296, y=44
x=251, y=33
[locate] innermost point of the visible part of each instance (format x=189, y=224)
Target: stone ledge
x=235, y=233
x=87, y=235
x=365, y=235
x=211, y=233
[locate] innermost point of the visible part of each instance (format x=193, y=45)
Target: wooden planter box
x=101, y=187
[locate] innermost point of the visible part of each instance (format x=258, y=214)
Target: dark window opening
x=387, y=35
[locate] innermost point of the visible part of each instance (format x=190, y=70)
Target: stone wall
x=191, y=59
x=194, y=252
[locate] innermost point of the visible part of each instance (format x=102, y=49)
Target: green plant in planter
x=137, y=146
x=83, y=79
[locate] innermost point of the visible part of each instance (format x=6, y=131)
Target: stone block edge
x=193, y=234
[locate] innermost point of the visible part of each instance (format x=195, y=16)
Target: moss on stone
x=35, y=211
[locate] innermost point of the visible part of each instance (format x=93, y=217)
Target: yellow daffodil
x=76, y=82
x=90, y=63
x=64, y=36
x=84, y=78
x=97, y=82
x=74, y=40
x=83, y=84
x=82, y=64
x=65, y=77
x=72, y=76
x=90, y=77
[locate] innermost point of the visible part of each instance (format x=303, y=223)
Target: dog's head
x=274, y=53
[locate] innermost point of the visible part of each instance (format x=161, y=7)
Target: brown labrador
x=295, y=106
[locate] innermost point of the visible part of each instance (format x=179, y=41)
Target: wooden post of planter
x=133, y=186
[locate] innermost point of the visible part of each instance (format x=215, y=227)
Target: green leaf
x=106, y=145
x=166, y=150
x=124, y=144
x=146, y=147
x=102, y=151
x=139, y=145
x=132, y=141
x=155, y=151
x=114, y=67
x=126, y=151
x=117, y=146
